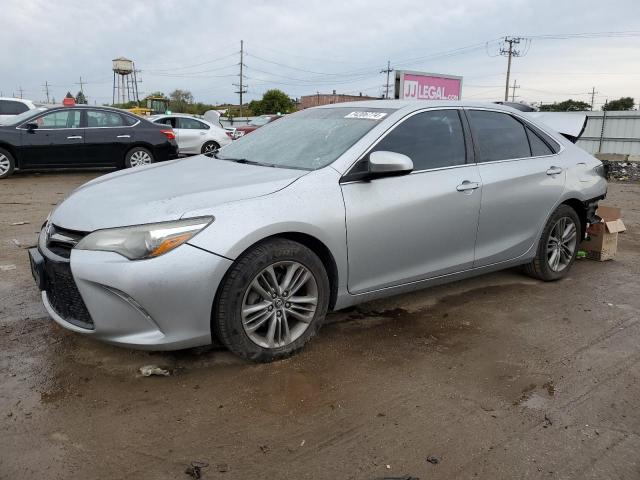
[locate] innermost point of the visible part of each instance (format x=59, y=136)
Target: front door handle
x=74, y=137
x=554, y=171
x=123, y=136
x=467, y=185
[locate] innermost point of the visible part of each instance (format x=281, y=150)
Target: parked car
x=10, y=107
x=254, y=124
x=82, y=136
x=194, y=135
x=327, y=208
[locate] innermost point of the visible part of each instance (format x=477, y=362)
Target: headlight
x=600, y=170
x=144, y=241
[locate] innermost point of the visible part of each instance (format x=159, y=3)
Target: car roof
x=416, y=104
x=21, y=100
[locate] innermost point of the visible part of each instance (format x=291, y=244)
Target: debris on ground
x=264, y=449
x=433, y=460
x=6, y=268
x=404, y=477
x=222, y=467
x=194, y=470
x=15, y=224
x=547, y=421
x=149, y=370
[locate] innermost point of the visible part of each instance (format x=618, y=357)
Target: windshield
x=307, y=140
x=18, y=119
x=258, y=122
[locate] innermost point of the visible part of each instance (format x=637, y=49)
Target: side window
x=538, y=146
x=191, y=124
x=128, y=121
x=498, y=136
x=9, y=107
x=431, y=139
x=167, y=121
x=100, y=118
x=59, y=119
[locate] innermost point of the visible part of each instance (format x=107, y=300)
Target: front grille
x=64, y=296
x=61, y=240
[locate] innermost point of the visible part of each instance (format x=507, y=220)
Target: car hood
x=166, y=191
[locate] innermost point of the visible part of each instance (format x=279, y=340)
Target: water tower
x=125, y=82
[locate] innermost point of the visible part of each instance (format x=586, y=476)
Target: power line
x=388, y=70
x=513, y=90
x=510, y=52
x=241, y=86
x=46, y=89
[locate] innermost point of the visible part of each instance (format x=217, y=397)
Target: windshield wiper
x=246, y=161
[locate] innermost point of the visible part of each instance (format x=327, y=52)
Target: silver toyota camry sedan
x=321, y=210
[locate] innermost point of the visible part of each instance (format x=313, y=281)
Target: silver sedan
x=324, y=209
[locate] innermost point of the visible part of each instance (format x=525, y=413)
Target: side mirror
x=386, y=164
x=31, y=126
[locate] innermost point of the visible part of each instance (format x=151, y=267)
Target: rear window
x=498, y=136
x=10, y=107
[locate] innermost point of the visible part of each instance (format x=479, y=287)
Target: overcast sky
x=307, y=46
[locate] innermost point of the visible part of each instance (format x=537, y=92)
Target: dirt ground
x=498, y=377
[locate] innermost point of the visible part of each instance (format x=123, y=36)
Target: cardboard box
x=602, y=238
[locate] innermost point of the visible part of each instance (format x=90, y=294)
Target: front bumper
x=162, y=303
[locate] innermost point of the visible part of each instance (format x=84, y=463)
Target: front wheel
x=558, y=246
x=272, y=301
x=138, y=156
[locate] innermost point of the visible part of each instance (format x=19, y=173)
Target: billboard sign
x=427, y=86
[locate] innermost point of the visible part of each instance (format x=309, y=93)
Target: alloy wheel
x=561, y=244
x=5, y=164
x=139, y=158
x=279, y=304
x=210, y=148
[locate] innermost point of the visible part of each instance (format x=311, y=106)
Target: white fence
x=612, y=132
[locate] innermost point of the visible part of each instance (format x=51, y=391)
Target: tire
x=7, y=164
x=209, y=147
x=542, y=266
x=237, y=293
x=138, y=156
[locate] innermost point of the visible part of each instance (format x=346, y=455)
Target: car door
x=407, y=228
x=522, y=180
x=191, y=134
x=58, y=140
x=108, y=135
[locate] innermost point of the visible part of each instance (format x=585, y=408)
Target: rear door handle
x=123, y=136
x=467, y=185
x=554, y=171
x=74, y=137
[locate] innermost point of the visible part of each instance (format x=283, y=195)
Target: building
x=308, y=101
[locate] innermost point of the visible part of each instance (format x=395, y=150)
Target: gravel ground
x=495, y=377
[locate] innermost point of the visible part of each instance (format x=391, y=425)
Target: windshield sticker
x=367, y=115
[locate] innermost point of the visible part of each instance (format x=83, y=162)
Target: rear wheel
x=558, y=246
x=7, y=164
x=138, y=156
x=272, y=301
x=210, y=148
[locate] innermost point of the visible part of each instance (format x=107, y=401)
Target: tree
x=81, y=99
x=624, y=103
x=179, y=100
x=566, y=106
x=273, y=101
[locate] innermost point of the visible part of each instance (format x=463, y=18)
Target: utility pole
x=81, y=89
x=509, y=52
x=20, y=89
x=593, y=96
x=241, y=86
x=387, y=71
x=46, y=90
x=513, y=90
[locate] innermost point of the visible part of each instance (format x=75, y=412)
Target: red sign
x=68, y=102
